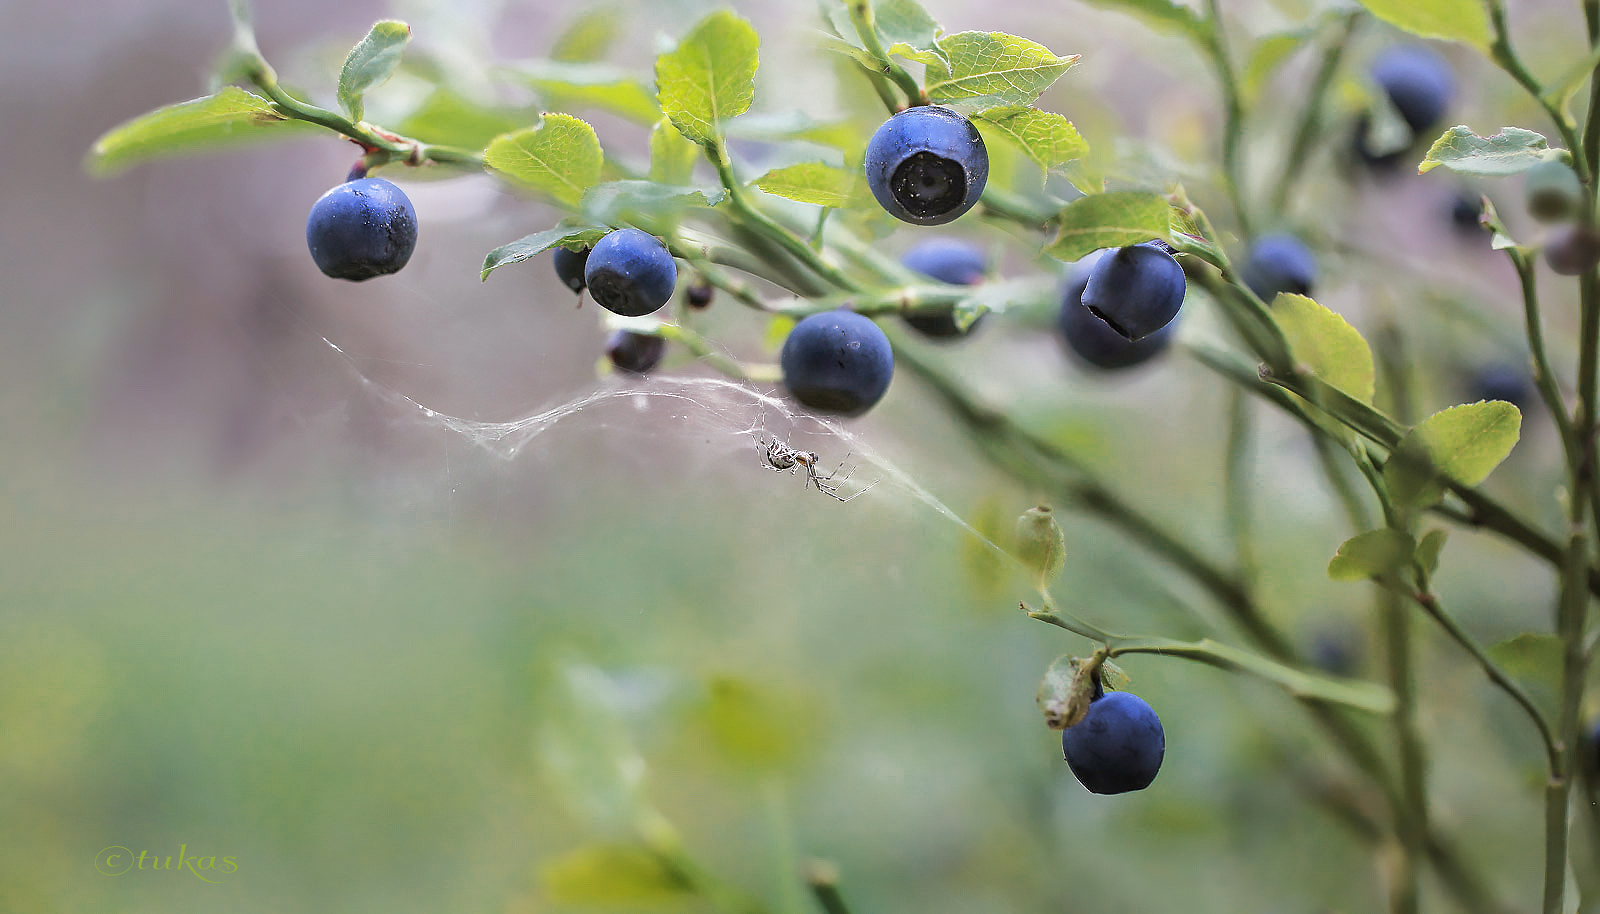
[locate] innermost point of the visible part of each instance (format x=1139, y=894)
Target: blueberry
x=1335, y=651
x=837, y=362
x=1118, y=746
x=1466, y=210
x=1091, y=339
x=635, y=353
x=1572, y=250
x=700, y=294
x=927, y=165
x=569, y=267
x=630, y=273
x=1279, y=263
x=1553, y=191
x=1418, y=81
x=1502, y=381
x=1137, y=290
x=361, y=229
x=947, y=260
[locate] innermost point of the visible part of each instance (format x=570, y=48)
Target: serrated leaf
x=1047, y=138
x=559, y=157
x=371, y=62
x=1429, y=548
x=229, y=116
x=587, y=37
x=672, y=155
x=991, y=70
x=591, y=86
x=627, y=201
x=1463, y=443
x=1108, y=220
x=1372, y=554
x=710, y=77
x=1511, y=151
x=1465, y=21
x=531, y=246
x=449, y=119
x=1324, y=342
x=815, y=182
x=611, y=874
x=1162, y=14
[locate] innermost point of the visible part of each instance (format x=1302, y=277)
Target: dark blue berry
x=635, y=353
x=570, y=265
x=1418, y=81
x=1553, y=191
x=927, y=165
x=1091, y=339
x=362, y=229
x=700, y=294
x=630, y=273
x=1118, y=746
x=1466, y=211
x=1279, y=263
x=1335, y=651
x=1503, y=381
x=947, y=260
x=1572, y=250
x=1137, y=290
x=837, y=362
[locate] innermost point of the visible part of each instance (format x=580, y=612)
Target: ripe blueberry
x=1137, y=290
x=837, y=362
x=1419, y=84
x=1502, y=381
x=927, y=165
x=361, y=229
x=1466, y=210
x=700, y=295
x=1091, y=339
x=1572, y=250
x=635, y=353
x=1118, y=746
x=947, y=260
x=1553, y=190
x=630, y=273
x=569, y=267
x=1279, y=263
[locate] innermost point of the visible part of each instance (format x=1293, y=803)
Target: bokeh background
x=254, y=604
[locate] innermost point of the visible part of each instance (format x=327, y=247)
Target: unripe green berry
x=1041, y=545
x=1554, y=192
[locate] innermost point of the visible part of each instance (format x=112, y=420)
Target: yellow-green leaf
x=230, y=116
x=1161, y=14
x=710, y=77
x=591, y=86
x=672, y=155
x=1463, y=443
x=816, y=182
x=1108, y=220
x=588, y=37
x=1466, y=21
x=611, y=874
x=992, y=69
x=1429, y=548
x=1325, y=342
x=1047, y=138
x=1511, y=151
x=449, y=119
x=1372, y=554
x=559, y=157
x=371, y=62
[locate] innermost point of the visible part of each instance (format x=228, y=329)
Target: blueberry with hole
x=635, y=353
x=361, y=229
x=1553, y=191
x=837, y=362
x=927, y=165
x=630, y=273
x=1118, y=746
x=947, y=260
x=1279, y=263
x=1572, y=250
x=1419, y=83
x=570, y=265
x=1090, y=339
x=1137, y=290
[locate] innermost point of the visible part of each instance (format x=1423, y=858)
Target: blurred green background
x=252, y=606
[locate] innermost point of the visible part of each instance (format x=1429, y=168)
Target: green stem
x=1412, y=822
x=1505, y=56
x=1310, y=123
x=1216, y=48
x=823, y=879
x=1239, y=485
x=866, y=23
x=757, y=221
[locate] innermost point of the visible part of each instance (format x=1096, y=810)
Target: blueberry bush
x=1100, y=249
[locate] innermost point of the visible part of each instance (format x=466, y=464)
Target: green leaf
x=1463, y=443
x=1465, y=21
x=591, y=86
x=815, y=182
x=1534, y=660
x=1269, y=53
x=752, y=725
x=1511, y=151
x=371, y=62
x=672, y=155
x=1108, y=220
x=1428, y=550
x=589, y=36
x=1376, y=553
x=230, y=116
x=616, y=202
x=710, y=77
x=611, y=874
x=783, y=126
x=533, y=245
x=449, y=119
x=1047, y=138
x=1559, y=91
x=559, y=157
x=1326, y=343
x=1162, y=14
x=904, y=27
x=992, y=69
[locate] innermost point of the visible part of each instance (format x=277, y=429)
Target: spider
x=780, y=456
